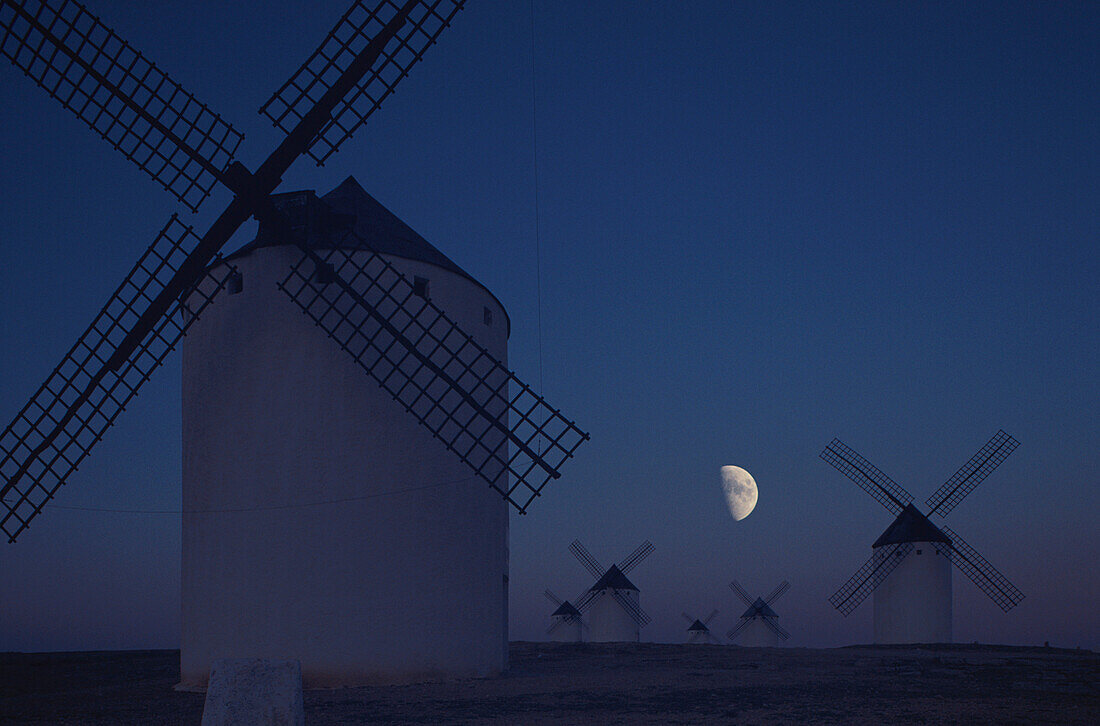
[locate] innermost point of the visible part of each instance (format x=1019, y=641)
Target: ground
x=613, y=684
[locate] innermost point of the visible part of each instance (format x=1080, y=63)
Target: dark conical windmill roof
x=698, y=626
x=613, y=579
x=566, y=610
x=911, y=526
x=325, y=220
x=760, y=609
x=381, y=229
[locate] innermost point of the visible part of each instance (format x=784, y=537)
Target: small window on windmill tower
x=487, y=316
x=420, y=287
x=234, y=285
x=323, y=274
x=918, y=552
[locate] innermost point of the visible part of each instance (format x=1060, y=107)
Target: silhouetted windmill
x=613, y=600
x=759, y=625
x=697, y=631
x=909, y=569
x=455, y=387
x=566, y=624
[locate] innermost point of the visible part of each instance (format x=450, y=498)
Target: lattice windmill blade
x=636, y=613
x=983, y=574
x=90, y=388
x=776, y=628
x=707, y=619
x=419, y=23
x=450, y=383
x=869, y=576
x=972, y=473
x=741, y=592
x=736, y=629
x=645, y=549
x=122, y=96
x=554, y=625
x=865, y=474
x=585, y=557
x=778, y=592
x=687, y=617
x=587, y=599
x=552, y=597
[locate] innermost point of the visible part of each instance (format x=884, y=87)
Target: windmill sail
x=971, y=474
x=865, y=474
x=869, y=576
x=741, y=592
x=89, y=389
x=777, y=593
x=439, y=373
x=645, y=549
x=119, y=94
x=983, y=574
x=585, y=557
x=406, y=31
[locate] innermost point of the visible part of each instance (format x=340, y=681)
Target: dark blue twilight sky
x=762, y=225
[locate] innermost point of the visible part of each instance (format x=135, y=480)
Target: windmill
x=759, y=625
x=315, y=583
x=614, y=614
x=566, y=624
x=910, y=566
x=697, y=631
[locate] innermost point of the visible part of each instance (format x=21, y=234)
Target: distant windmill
x=910, y=566
x=565, y=622
x=697, y=631
x=759, y=625
x=361, y=392
x=615, y=613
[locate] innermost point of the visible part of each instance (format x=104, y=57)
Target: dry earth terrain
x=613, y=684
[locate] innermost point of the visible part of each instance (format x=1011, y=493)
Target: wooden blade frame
x=775, y=628
x=636, y=613
x=741, y=592
x=645, y=549
x=585, y=558
x=869, y=576
x=450, y=384
x=92, y=385
x=983, y=574
x=356, y=30
x=736, y=629
x=867, y=476
x=119, y=94
x=778, y=592
x=971, y=474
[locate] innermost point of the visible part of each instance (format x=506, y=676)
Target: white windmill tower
x=697, y=631
x=612, y=604
x=566, y=625
x=320, y=516
x=910, y=566
x=759, y=624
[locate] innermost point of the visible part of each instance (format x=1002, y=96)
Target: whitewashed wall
x=608, y=622
x=392, y=588
x=913, y=603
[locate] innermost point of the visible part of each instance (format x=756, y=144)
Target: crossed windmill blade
x=612, y=580
x=432, y=368
x=698, y=630
x=898, y=501
x=759, y=610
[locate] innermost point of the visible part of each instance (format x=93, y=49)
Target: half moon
x=740, y=490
